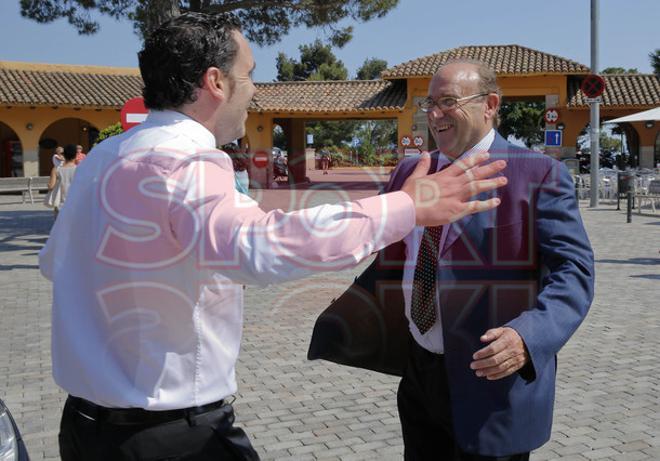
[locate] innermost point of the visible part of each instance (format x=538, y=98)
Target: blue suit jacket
x=528, y=265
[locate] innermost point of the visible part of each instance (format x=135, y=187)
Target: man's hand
x=505, y=355
x=443, y=197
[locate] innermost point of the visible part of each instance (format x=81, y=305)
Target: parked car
x=12, y=447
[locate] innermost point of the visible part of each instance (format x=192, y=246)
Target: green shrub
x=108, y=132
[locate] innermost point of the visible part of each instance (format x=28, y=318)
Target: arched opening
x=11, y=156
x=64, y=131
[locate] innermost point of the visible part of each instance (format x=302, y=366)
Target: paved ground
x=608, y=402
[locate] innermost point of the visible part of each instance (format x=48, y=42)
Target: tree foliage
x=619, y=70
x=654, y=56
x=523, y=120
x=371, y=69
x=317, y=62
x=108, y=132
x=264, y=22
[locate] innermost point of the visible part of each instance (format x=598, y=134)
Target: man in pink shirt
x=151, y=252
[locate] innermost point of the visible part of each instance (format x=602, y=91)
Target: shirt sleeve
x=248, y=245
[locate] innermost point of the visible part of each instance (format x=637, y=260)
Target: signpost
x=592, y=87
x=133, y=113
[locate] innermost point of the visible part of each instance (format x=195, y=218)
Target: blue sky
x=628, y=32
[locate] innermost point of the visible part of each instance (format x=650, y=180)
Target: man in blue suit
x=491, y=298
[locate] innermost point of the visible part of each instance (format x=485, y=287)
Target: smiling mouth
x=441, y=128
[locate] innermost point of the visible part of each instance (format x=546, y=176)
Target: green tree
x=334, y=133
x=371, y=69
x=522, y=119
x=264, y=22
x=108, y=132
x=376, y=137
x=654, y=56
x=619, y=70
x=317, y=62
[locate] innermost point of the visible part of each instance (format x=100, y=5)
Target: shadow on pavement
x=646, y=276
x=18, y=266
x=24, y=230
x=641, y=261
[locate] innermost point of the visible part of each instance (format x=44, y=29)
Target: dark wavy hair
x=177, y=54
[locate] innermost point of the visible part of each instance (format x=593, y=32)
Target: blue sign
x=553, y=138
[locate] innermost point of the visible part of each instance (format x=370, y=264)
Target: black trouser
x=90, y=432
x=425, y=412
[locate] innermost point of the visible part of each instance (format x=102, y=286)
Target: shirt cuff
x=398, y=215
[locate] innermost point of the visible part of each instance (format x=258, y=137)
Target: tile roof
x=76, y=86
x=329, y=96
x=638, y=90
x=504, y=59
x=85, y=86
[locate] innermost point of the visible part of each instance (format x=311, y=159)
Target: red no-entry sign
x=593, y=86
x=260, y=159
x=133, y=113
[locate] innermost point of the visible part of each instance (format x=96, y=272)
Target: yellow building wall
x=30, y=124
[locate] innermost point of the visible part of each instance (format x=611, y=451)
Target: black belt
x=128, y=416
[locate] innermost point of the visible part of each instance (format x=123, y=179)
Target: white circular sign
x=418, y=141
x=551, y=116
x=405, y=141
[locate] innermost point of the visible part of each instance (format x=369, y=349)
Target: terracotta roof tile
x=98, y=87
x=329, y=96
x=62, y=88
x=642, y=90
x=504, y=59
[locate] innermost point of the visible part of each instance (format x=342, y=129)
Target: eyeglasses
x=447, y=103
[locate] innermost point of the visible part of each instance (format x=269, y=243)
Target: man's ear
x=492, y=105
x=215, y=83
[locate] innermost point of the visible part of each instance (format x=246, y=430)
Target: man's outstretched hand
x=444, y=197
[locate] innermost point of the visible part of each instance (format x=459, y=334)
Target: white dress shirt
x=148, y=257
x=432, y=340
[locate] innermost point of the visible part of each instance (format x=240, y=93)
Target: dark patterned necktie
x=422, y=310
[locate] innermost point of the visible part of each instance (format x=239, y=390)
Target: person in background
x=241, y=172
x=240, y=163
x=325, y=161
x=60, y=179
x=58, y=157
x=80, y=155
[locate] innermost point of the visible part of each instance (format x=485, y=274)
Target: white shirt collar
x=192, y=128
x=482, y=146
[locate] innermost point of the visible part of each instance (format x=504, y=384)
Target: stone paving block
x=600, y=453
x=608, y=381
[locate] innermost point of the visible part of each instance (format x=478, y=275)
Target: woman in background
x=60, y=179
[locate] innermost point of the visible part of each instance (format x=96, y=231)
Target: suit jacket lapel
x=497, y=150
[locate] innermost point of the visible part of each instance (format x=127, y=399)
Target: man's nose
x=435, y=113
